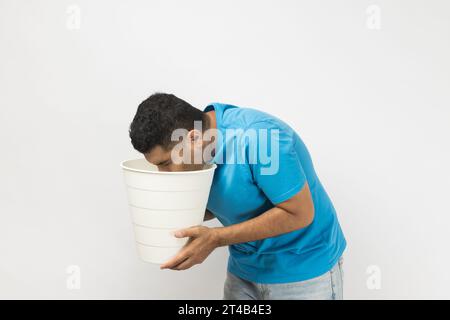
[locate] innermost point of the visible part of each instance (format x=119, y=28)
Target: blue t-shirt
x=242, y=190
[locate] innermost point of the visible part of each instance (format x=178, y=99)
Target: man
x=284, y=238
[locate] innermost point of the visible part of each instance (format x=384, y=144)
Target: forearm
x=271, y=223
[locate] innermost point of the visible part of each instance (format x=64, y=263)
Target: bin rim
x=123, y=165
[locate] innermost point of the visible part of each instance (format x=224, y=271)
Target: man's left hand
x=202, y=241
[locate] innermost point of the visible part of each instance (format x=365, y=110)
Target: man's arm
x=208, y=215
x=290, y=215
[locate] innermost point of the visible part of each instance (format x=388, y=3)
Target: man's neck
x=212, y=123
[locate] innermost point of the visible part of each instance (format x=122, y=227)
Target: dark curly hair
x=158, y=116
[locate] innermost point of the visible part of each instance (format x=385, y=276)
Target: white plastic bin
x=162, y=202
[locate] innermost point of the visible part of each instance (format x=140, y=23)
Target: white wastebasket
x=162, y=202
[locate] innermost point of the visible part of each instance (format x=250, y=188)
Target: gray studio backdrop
x=365, y=83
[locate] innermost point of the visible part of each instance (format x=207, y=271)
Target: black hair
x=158, y=116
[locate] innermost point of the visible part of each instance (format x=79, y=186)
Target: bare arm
x=290, y=215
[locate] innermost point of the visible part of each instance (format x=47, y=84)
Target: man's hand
x=202, y=242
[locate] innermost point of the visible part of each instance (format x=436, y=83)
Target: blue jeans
x=328, y=286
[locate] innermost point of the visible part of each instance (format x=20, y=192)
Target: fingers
x=189, y=232
x=179, y=258
x=186, y=264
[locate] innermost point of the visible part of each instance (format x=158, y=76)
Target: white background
x=371, y=105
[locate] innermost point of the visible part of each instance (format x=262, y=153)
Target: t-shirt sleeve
x=277, y=171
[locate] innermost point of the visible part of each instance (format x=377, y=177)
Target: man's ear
x=195, y=137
